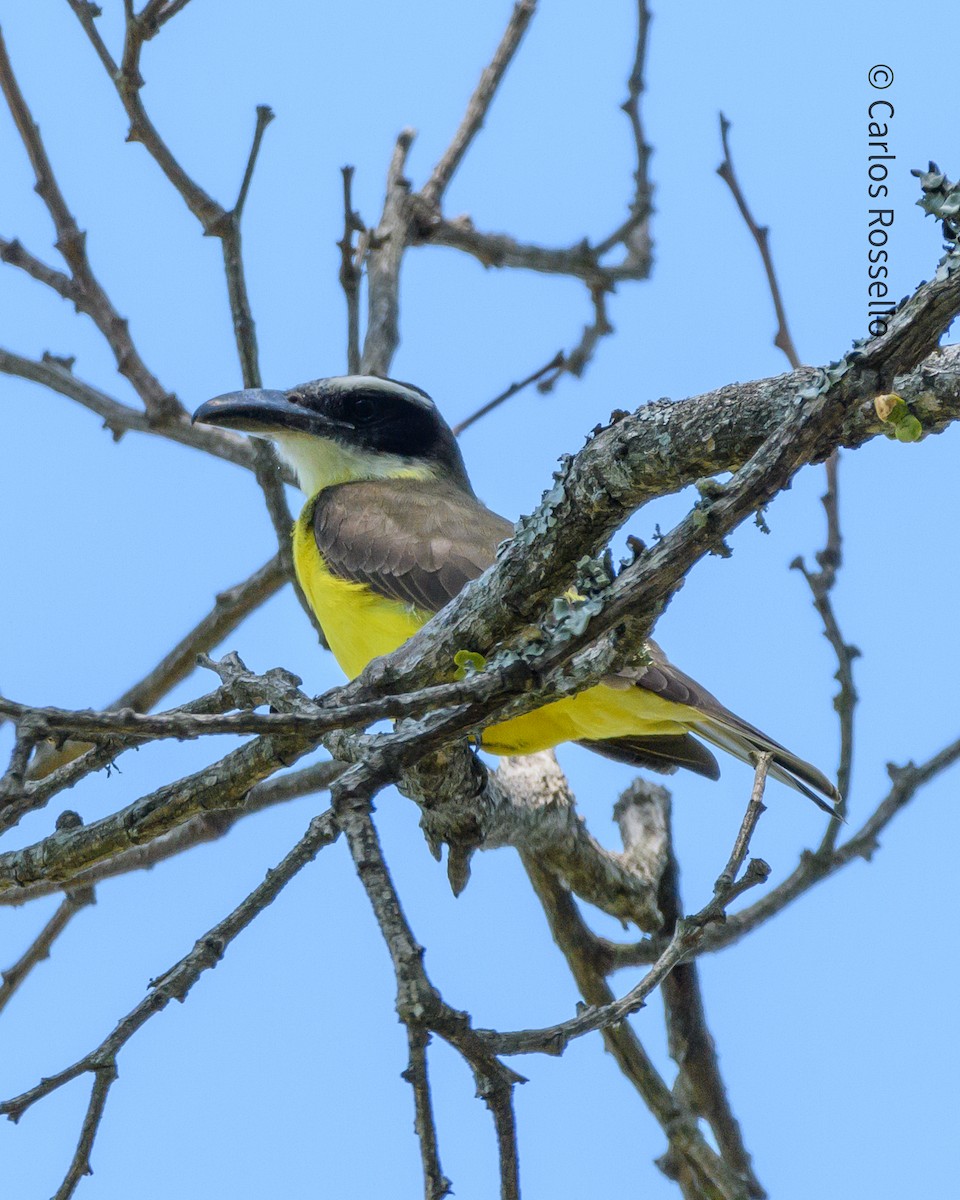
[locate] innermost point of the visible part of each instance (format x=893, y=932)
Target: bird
x=392, y=530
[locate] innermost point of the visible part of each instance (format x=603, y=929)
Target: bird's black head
x=346, y=428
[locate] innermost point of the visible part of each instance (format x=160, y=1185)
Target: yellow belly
x=360, y=625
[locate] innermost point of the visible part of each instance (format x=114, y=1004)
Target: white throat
x=321, y=463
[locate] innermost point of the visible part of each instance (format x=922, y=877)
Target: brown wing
x=404, y=541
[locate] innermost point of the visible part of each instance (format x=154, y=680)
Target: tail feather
x=745, y=742
x=663, y=753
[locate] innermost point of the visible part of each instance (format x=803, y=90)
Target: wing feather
x=417, y=545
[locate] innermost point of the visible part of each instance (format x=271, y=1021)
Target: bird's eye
x=296, y=398
x=362, y=408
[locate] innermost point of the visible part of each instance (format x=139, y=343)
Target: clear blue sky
x=280, y=1076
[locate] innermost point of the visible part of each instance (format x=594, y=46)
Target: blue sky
x=280, y=1074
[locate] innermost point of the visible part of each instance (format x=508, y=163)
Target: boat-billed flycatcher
x=392, y=531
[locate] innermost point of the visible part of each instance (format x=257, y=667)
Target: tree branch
x=480, y=101
x=576, y=942
x=172, y=984
x=384, y=257
x=761, y=235
x=435, y=1184
x=40, y=947
x=418, y=1001
x=350, y=272
x=205, y=827
x=86, y=292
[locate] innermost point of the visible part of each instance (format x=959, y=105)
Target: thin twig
x=755, y=810
x=830, y=558
x=684, y=942
x=350, y=272
x=54, y=372
x=813, y=868
x=578, y=945
x=175, y=983
x=39, y=948
x=384, y=257
x=435, y=1184
x=265, y=115
x=821, y=584
x=86, y=291
x=634, y=233
x=480, y=102
x=761, y=235
x=155, y=14
x=104, y=1073
x=16, y=254
x=555, y=364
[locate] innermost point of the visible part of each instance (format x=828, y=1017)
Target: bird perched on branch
x=392, y=531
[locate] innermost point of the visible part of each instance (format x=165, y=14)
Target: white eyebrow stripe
x=372, y=383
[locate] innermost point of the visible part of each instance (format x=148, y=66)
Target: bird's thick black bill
x=262, y=411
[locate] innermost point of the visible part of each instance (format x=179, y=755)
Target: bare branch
x=86, y=292
x=172, y=984
x=634, y=233
x=684, y=942
x=821, y=584
x=555, y=364
x=350, y=272
x=155, y=14
x=480, y=102
x=578, y=944
x=576, y=360
x=435, y=1184
x=39, y=949
x=14, y=253
x=205, y=827
x=384, y=256
x=699, y=1083
x=418, y=1001
x=127, y=80
x=55, y=373
x=741, y=847
x=103, y=1076
x=265, y=115
x=761, y=235
x=812, y=868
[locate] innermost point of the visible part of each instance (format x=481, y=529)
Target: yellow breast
x=357, y=623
